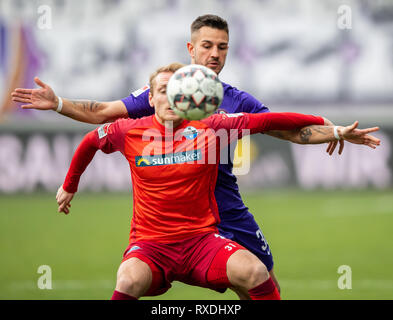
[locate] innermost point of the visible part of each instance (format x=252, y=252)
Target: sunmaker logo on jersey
x=167, y=159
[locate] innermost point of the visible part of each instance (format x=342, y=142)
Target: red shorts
x=199, y=261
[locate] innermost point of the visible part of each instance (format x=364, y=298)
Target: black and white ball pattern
x=195, y=92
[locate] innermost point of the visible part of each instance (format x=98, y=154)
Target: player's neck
x=169, y=124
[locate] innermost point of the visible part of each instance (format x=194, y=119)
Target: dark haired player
x=208, y=47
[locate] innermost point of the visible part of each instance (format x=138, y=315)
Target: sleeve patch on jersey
x=103, y=130
x=138, y=92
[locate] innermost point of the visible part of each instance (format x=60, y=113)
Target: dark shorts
x=199, y=261
x=245, y=231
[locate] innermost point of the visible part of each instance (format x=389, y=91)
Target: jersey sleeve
x=227, y=121
x=281, y=121
x=111, y=135
x=108, y=138
x=239, y=124
x=137, y=103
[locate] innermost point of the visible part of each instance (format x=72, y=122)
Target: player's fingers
x=27, y=106
x=39, y=82
x=20, y=95
x=350, y=128
x=60, y=208
x=17, y=94
x=369, y=130
x=354, y=125
x=68, y=206
x=17, y=99
x=22, y=90
x=341, y=148
x=372, y=142
x=328, y=147
x=331, y=147
x=373, y=139
x=59, y=191
x=334, y=146
x=61, y=199
x=63, y=207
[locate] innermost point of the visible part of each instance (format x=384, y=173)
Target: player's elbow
x=101, y=118
x=110, y=112
x=102, y=115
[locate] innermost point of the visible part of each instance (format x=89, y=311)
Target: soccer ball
x=194, y=92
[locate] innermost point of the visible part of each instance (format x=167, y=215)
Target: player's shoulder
x=125, y=124
x=235, y=97
x=139, y=97
x=232, y=91
x=236, y=100
x=141, y=92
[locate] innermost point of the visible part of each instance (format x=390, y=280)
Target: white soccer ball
x=194, y=92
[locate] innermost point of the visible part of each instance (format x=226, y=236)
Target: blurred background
x=318, y=212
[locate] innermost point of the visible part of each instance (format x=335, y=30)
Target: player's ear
x=151, y=100
x=191, y=49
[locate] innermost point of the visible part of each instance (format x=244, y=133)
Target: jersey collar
x=163, y=129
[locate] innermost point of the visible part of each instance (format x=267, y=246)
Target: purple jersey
x=229, y=201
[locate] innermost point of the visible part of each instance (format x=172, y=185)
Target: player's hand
x=359, y=136
x=42, y=98
x=333, y=144
x=63, y=199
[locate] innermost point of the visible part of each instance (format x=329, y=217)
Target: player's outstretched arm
x=293, y=136
x=317, y=134
x=44, y=98
x=295, y=127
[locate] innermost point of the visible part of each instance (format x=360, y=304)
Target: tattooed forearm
x=324, y=130
x=84, y=106
x=305, y=135
x=315, y=134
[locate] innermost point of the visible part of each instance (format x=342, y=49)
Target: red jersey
x=174, y=171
